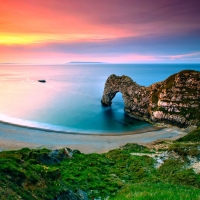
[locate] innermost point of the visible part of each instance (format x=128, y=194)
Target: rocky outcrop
x=70, y=195
x=56, y=156
x=175, y=100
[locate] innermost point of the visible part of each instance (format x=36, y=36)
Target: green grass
x=174, y=171
x=105, y=174
x=185, y=149
x=30, y=174
x=193, y=136
x=156, y=191
x=22, y=175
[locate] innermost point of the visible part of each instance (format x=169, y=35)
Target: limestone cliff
x=175, y=100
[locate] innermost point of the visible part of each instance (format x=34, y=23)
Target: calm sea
x=70, y=100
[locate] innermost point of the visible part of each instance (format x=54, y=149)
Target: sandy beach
x=15, y=137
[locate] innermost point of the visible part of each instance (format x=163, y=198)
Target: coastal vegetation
x=164, y=170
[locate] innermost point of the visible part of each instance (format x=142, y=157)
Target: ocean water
x=70, y=100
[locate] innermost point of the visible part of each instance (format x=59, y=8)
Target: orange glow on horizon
x=19, y=38
x=27, y=28
x=106, y=31
x=30, y=22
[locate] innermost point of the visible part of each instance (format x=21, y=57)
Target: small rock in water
x=42, y=81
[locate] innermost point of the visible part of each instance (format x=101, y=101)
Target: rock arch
x=135, y=97
x=113, y=85
x=175, y=100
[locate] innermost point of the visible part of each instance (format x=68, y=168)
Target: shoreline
x=136, y=131
x=16, y=137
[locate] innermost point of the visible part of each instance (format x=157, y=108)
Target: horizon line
x=89, y=62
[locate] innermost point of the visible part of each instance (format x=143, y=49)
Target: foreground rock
x=70, y=195
x=175, y=100
x=56, y=156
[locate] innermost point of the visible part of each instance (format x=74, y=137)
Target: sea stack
x=174, y=101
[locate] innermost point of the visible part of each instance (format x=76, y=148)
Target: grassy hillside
x=193, y=136
x=130, y=172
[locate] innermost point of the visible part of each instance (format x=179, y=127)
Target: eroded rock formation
x=175, y=100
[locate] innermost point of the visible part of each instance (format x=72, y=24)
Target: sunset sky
x=115, y=31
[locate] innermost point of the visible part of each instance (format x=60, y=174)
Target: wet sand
x=16, y=137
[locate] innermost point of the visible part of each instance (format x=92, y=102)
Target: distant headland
x=82, y=62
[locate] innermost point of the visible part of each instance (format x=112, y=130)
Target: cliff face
x=175, y=100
